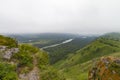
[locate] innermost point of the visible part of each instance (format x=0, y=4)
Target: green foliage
x=7, y=41
x=24, y=56
x=43, y=59
x=28, y=48
x=7, y=72
x=51, y=74
x=24, y=59
x=115, y=67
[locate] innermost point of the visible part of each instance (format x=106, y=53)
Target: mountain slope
x=24, y=62
x=60, y=52
x=82, y=60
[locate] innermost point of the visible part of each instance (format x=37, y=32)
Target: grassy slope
x=7, y=41
x=60, y=52
x=77, y=65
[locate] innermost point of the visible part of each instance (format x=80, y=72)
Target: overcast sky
x=69, y=16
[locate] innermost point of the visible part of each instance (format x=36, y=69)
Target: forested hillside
x=77, y=65
x=60, y=52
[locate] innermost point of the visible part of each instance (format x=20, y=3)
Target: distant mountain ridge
x=38, y=36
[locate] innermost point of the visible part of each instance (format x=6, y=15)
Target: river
x=54, y=45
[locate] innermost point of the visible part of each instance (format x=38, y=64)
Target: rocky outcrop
x=8, y=52
x=32, y=75
x=18, y=62
x=108, y=68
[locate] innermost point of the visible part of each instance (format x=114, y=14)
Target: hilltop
x=24, y=62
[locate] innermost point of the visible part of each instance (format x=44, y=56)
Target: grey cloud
x=73, y=16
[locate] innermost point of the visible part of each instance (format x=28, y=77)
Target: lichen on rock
x=107, y=68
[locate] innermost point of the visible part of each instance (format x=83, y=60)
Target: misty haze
x=63, y=16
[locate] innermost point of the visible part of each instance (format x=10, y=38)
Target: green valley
x=69, y=61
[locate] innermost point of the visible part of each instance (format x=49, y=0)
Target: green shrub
x=114, y=66
x=43, y=59
x=51, y=74
x=7, y=72
x=25, y=56
x=7, y=41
